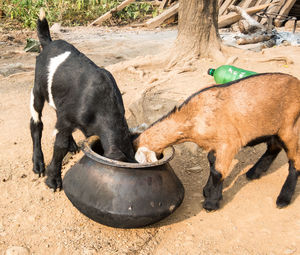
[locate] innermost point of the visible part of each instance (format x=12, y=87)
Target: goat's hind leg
x=292, y=149
x=288, y=187
x=264, y=163
x=36, y=128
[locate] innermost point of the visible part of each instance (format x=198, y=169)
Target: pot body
x=123, y=197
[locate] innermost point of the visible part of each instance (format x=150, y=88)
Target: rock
x=87, y=251
x=192, y=148
x=290, y=251
x=286, y=43
x=151, y=106
x=12, y=69
x=17, y=250
x=56, y=28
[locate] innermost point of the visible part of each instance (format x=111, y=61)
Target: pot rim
x=168, y=154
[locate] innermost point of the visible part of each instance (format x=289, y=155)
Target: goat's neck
x=171, y=130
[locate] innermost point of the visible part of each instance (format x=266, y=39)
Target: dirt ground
x=35, y=220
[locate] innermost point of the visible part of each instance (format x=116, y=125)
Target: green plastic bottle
x=227, y=73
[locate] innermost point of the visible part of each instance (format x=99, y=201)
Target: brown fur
x=227, y=117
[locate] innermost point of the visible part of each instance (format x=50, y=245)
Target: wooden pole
x=108, y=15
x=284, y=11
x=155, y=22
x=163, y=4
x=231, y=18
x=253, y=39
x=225, y=5
x=252, y=22
x=247, y=3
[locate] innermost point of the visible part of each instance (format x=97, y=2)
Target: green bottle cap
x=211, y=71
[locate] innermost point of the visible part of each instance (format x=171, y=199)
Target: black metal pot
x=120, y=194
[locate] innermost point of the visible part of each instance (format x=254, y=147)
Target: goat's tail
x=43, y=31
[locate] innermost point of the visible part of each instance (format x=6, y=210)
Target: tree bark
x=198, y=29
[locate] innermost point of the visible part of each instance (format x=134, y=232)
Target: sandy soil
x=34, y=218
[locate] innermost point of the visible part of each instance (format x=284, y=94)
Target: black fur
x=289, y=187
x=213, y=188
x=86, y=97
x=37, y=157
x=264, y=163
x=43, y=32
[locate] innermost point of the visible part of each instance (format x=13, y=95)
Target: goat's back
x=75, y=76
x=256, y=106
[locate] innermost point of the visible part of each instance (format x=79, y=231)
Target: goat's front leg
x=213, y=188
x=73, y=148
x=61, y=147
x=219, y=165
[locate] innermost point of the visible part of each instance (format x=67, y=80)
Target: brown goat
x=221, y=119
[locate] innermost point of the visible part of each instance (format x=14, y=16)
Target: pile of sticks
x=258, y=28
x=163, y=4
x=277, y=9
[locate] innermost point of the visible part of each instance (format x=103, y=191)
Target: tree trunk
x=198, y=37
x=198, y=29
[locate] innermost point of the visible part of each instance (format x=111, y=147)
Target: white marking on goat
x=144, y=155
x=34, y=113
x=42, y=14
x=53, y=65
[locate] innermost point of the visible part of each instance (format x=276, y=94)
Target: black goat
x=84, y=96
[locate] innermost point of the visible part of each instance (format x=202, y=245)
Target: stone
x=17, y=250
x=56, y=28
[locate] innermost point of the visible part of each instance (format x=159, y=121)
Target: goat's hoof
x=54, y=183
x=282, y=201
x=211, y=205
x=39, y=168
